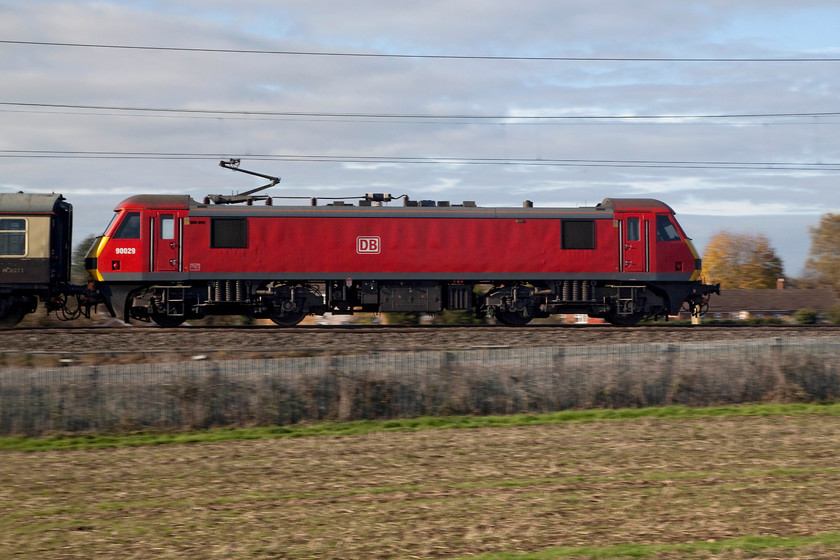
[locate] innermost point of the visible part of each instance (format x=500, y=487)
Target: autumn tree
x=741, y=261
x=823, y=264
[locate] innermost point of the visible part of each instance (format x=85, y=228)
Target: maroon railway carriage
x=168, y=258
x=35, y=234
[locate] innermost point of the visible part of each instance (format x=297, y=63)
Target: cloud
x=744, y=207
x=682, y=154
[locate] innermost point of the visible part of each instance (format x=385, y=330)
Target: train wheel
x=512, y=318
x=11, y=315
x=630, y=320
x=167, y=321
x=288, y=319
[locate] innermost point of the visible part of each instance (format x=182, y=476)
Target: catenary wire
x=686, y=121
x=420, y=56
x=323, y=158
x=414, y=115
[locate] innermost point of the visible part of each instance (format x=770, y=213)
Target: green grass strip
x=361, y=427
x=745, y=544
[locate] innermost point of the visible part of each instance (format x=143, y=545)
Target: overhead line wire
x=324, y=114
x=323, y=158
x=419, y=56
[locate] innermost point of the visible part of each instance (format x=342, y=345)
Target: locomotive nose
x=698, y=262
x=92, y=258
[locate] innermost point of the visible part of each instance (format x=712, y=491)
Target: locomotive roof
x=635, y=205
x=169, y=201
x=165, y=201
x=30, y=203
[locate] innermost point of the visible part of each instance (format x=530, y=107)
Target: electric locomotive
x=169, y=258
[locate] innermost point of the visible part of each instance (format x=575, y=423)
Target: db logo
x=368, y=245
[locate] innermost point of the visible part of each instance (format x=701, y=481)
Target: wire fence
x=201, y=394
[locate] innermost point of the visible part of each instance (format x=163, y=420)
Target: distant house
x=780, y=303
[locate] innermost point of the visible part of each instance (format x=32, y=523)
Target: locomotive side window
x=228, y=233
x=578, y=234
x=167, y=226
x=130, y=227
x=13, y=237
x=665, y=230
x=633, y=229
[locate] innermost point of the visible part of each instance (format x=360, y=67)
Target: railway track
x=143, y=343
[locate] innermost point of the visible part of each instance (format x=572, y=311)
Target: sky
x=726, y=111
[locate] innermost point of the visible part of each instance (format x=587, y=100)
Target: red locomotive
x=169, y=258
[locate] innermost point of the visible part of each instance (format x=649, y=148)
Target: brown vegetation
x=741, y=261
x=190, y=395
x=435, y=494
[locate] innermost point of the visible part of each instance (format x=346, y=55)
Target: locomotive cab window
x=578, y=234
x=665, y=230
x=130, y=227
x=228, y=233
x=13, y=237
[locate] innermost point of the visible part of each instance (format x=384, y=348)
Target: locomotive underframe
x=511, y=303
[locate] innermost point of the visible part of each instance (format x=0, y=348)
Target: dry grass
x=439, y=494
x=240, y=393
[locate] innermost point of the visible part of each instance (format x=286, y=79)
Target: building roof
x=771, y=301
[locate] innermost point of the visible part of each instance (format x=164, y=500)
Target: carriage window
x=665, y=230
x=130, y=227
x=578, y=234
x=228, y=233
x=167, y=226
x=13, y=237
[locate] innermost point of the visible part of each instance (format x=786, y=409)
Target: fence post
x=776, y=360
x=784, y=392
x=96, y=399
x=346, y=390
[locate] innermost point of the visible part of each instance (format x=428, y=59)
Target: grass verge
x=749, y=544
x=360, y=427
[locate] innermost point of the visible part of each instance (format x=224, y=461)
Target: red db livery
x=169, y=258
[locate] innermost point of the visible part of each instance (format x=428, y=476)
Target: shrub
x=806, y=316
x=457, y=317
x=833, y=314
x=401, y=318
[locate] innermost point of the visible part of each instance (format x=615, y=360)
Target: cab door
x=635, y=243
x=167, y=228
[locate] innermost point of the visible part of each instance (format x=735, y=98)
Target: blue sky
x=792, y=28
x=774, y=175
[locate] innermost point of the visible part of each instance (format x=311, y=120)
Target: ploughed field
x=728, y=487
x=143, y=343
x=711, y=487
